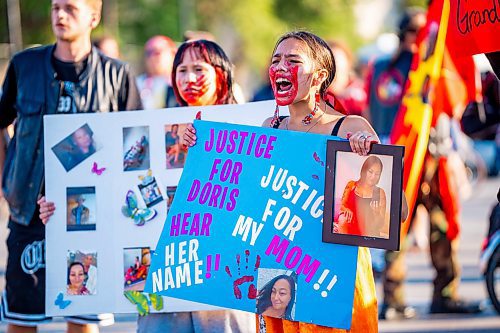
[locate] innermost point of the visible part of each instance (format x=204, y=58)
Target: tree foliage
x=141, y=19
x=247, y=29
x=256, y=24
x=416, y=3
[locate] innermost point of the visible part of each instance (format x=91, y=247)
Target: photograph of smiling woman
x=363, y=207
x=277, y=297
x=76, y=280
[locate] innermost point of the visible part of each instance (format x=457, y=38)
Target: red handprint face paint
x=285, y=84
x=196, y=80
x=290, y=71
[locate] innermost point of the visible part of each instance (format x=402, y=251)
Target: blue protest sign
x=245, y=228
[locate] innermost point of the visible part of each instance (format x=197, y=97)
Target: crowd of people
x=314, y=79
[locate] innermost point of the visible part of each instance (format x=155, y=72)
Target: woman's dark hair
x=212, y=54
x=264, y=296
x=319, y=51
x=371, y=160
x=74, y=263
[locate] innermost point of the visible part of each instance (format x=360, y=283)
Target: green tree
x=254, y=26
x=141, y=19
x=35, y=18
x=418, y=3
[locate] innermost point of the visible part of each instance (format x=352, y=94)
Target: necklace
x=310, y=128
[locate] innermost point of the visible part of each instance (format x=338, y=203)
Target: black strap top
x=335, y=130
x=278, y=123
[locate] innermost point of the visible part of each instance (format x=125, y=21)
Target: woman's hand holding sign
x=189, y=137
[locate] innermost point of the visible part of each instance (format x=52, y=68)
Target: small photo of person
x=170, y=196
x=135, y=148
x=76, y=147
x=277, y=289
x=150, y=191
x=136, y=262
x=361, y=200
x=81, y=209
x=82, y=273
x=175, y=153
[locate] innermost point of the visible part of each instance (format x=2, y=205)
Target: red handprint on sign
x=252, y=290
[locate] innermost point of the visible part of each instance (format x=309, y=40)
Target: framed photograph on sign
x=363, y=196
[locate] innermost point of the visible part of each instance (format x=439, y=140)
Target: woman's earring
x=307, y=119
x=276, y=116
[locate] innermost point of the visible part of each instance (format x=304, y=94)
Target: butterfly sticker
x=138, y=299
x=142, y=302
x=131, y=209
x=98, y=171
x=60, y=302
x=156, y=301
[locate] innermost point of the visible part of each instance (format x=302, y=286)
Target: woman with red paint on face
x=201, y=75
x=301, y=70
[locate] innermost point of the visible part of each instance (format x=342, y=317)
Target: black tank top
x=335, y=130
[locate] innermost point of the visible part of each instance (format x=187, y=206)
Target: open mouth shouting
x=284, y=85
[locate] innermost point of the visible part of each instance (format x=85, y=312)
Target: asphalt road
x=475, y=212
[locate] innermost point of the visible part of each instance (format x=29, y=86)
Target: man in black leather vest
x=68, y=77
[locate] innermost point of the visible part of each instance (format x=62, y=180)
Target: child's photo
x=175, y=153
x=136, y=263
x=150, y=191
x=136, y=148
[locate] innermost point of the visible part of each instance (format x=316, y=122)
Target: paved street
x=475, y=220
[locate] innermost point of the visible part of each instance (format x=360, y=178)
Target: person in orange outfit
x=302, y=68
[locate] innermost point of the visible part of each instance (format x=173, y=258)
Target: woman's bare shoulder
x=357, y=121
x=267, y=122
x=354, y=123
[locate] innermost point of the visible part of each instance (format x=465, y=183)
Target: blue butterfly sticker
x=60, y=302
x=131, y=209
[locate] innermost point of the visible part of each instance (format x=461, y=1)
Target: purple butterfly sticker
x=98, y=171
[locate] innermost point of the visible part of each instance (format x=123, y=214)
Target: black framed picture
x=363, y=196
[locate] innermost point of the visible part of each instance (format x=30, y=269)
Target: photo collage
x=82, y=201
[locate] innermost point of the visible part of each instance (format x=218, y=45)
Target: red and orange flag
x=413, y=121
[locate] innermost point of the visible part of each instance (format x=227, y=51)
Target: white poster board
x=89, y=188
